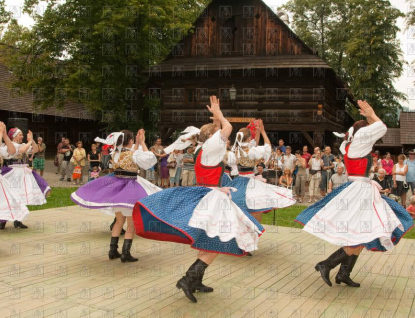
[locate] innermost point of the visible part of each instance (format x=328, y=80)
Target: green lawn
x=60, y=197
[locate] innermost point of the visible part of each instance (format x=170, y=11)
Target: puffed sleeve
x=144, y=159
x=260, y=152
x=365, y=138
x=3, y=151
x=214, y=149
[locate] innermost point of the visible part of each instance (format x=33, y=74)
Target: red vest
x=358, y=166
x=207, y=176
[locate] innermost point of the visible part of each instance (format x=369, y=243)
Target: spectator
x=379, y=159
x=289, y=160
x=281, y=145
x=39, y=157
x=105, y=157
x=375, y=168
x=59, y=154
x=164, y=170
x=315, y=176
x=279, y=164
x=383, y=182
x=399, y=172
x=158, y=151
x=178, y=176
x=67, y=152
x=411, y=207
x=176, y=158
x=94, y=173
x=151, y=174
x=307, y=158
x=286, y=180
x=78, y=159
x=410, y=176
x=338, y=162
x=261, y=174
x=327, y=171
x=387, y=164
x=337, y=179
x=271, y=168
x=188, y=174
x=94, y=157
x=301, y=176
x=317, y=149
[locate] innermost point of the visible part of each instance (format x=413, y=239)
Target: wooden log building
x=243, y=45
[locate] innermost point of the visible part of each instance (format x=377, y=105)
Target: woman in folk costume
x=31, y=187
x=117, y=193
x=203, y=216
x=355, y=215
x=12, y=207
x=255, y=195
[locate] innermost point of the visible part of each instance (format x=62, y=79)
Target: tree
x=95, y=53
x=357, y=38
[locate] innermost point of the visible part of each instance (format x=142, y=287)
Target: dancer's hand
x=29, y=136
x=3, y=128
x=214, y=108
x=140, y=137
x=365, y=109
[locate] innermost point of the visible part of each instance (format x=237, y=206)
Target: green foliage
x=357, y=38
x=95, y=53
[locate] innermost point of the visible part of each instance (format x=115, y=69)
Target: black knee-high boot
x=193, y=275
x=199, y=286
x=346, y=267
x=112, y=225
x=331, y=262
x=113, y=253
x=126, y=256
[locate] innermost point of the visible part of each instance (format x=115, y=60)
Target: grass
x=59, y=197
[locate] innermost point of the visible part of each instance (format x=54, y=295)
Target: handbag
x=313, y=172
x=77, y=172
x=171, y=165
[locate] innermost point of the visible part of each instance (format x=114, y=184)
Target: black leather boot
x=193, y=275
x=331, y=262
x=20, y=225
x=199, y=286
x=2, y=225
x=346, y=267
x=126, y=256
x=113, y=253
x=112, y=225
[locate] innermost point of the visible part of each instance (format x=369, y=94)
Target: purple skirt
x=164, y=173
x=109, y=192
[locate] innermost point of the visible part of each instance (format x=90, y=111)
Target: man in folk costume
x=31, y=187
x=355, y=215
x=252, y=193
x=194, y=215
x=126, y=187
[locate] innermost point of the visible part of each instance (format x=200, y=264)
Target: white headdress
x=237, y=146
x=112, y=139
x=342, y=135
x=182, y=142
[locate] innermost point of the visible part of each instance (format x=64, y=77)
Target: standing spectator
x=188, y=174
x=327, y=171
x=375, y=168
x=158, y=150
x=410, y=176
x=179, y=160
x=94, y=158
x=286, y=180
x=399, y=172
x=387, y=164
x=271, y=169
x=105, y=157
x=317, y=149
x=151, y=174
x=301, y=176
x=67, y=152
x=289, y=160
x=59, y=154
x=384, y=183
x=315, y=176
x=174, y=158
x=337, y=179
x=307, y=157
x=279, y=162
x=164, y=170
x=338, y=162
x=78, y=159
x=281, y=145
x=39, y=157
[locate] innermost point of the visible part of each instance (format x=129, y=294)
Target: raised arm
x=214, y=108
x=11, y=149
